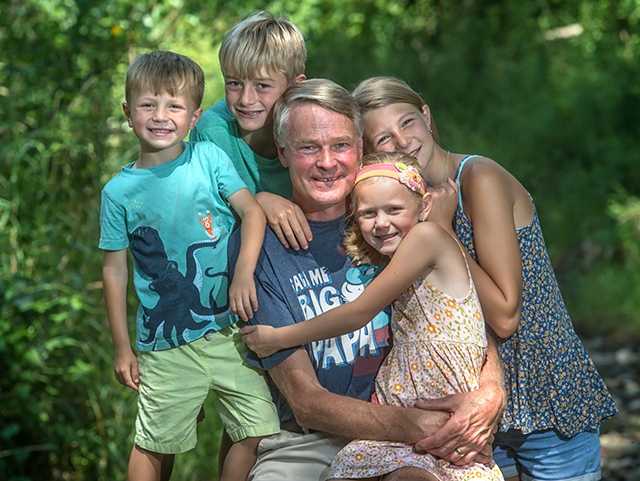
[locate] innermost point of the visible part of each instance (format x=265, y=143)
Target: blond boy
x=173, y=208
x=260, y=57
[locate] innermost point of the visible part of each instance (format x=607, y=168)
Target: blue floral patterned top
x=551, y=381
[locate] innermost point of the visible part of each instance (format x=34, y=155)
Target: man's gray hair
x=322, y=92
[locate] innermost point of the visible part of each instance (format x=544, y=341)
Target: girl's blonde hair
x=378, y=92
x=354, y=244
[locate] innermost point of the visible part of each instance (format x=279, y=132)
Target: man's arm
x=316, y=408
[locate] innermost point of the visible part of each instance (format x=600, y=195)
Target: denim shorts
x=547, y=456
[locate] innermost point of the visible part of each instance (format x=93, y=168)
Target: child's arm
x=114, y=278
x=286, y=220
x=242, y=292
x=410, y=261
x=498, y=272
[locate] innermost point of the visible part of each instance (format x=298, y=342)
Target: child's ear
x=127, y=113
x=426, y=205
x=299, y=78
x=195, y=117
x=426, y=114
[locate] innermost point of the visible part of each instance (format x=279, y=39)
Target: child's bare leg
x=167, y=467
x=225, y=446
x=149, y=466
x=239, y=460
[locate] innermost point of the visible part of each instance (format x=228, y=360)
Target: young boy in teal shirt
x=260, y=57
x=173, y=208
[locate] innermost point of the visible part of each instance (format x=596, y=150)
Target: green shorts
x=175, y=382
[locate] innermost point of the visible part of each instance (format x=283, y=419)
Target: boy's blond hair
x=378, y=92
x=354, y=244
x=162, y=71
x=263, y=42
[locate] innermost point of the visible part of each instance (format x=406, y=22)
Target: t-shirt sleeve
x=273, y=310
x=227, y=178
x=213, y=126
x=113, y=231
x=209, y=132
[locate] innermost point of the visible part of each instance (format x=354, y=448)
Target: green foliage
x=561, y=111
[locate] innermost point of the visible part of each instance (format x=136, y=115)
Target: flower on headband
x=410, y=177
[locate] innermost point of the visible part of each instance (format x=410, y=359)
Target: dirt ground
x=620, y=367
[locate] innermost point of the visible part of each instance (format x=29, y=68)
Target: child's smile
x=161, y=122
x=386, y=211
x=251, y=100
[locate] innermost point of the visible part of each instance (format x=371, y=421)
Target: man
x=322, y=390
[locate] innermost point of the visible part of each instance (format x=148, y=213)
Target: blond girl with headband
x=438, y=328
x=556, y=399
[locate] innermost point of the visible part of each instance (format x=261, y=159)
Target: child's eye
x=407, y=122
x=232, y=84
x=263, y=86
x=176, y=107
x=366, y=215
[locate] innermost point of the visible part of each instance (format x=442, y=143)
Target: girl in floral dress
x=438, y=329
x=556, y=398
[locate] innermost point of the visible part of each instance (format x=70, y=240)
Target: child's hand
x=125, y=367
x=263, y=340
x=444, y=198
x=286, y=220
x=243, y=299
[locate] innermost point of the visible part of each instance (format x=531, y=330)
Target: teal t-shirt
x=218, y=125
x=176, y=220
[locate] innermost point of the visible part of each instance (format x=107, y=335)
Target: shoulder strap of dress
x=466, y=263
x=458, y=178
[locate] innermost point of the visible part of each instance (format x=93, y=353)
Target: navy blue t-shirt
x=296, y=285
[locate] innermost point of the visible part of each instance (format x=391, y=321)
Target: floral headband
x=407, y=175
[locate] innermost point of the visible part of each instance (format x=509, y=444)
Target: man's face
x=322, y=151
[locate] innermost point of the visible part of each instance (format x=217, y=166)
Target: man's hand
x=468, y=434
x=444, y=202
x=263, y=340
x=243, y=299
x=286, y=220
x=125, y=367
